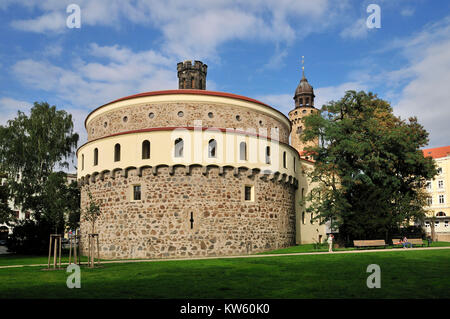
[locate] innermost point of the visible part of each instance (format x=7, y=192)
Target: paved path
x=245, y=256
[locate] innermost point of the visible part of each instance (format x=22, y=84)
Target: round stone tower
x=304, y=105
x=189, y=172
x=192, y=76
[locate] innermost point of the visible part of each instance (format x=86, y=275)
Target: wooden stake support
x=55, y=240
x=92, y=247
x=74, y=241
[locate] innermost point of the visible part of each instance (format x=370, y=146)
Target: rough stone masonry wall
x=166, y=115
x=158, y=226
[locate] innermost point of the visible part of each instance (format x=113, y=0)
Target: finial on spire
x=303, y=66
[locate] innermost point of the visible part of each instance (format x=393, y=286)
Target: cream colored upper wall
x=167, y=98
x=162, y=151
x=435, y=191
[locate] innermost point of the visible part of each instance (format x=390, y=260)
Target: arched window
x=243, y=151
x=440, y=214
x=307, y=101
x=179, y=147
x=95, y=156
x=267, y=154
x=212, y=148
x=284, y=159
x=145, y=149
x=301, y=101
x=116, y=152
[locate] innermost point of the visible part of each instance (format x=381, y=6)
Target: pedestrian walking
x=330, y=243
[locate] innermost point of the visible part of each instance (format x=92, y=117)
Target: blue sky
x=251, y=47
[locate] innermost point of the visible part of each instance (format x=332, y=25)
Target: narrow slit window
x=191, y=220
x=179, y=144
x=284, y=159
x=212, y=149
x=95, y=156
x=267, y=154
x=248, y=193
x=117, y=153
x=243, y=151
x=136, y=192
x=145, y=149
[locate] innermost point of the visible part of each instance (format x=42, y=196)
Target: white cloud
x=427, y=95
x=9, y=108
x=53, y=21
x=407, y=12
x=193, y=29
x=357, y=30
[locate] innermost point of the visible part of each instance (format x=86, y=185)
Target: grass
x=404, y=274
x=309, y=248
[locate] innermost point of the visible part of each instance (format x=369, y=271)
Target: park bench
x=369, y=243
x=413, y=241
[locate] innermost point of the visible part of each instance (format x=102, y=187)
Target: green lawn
x=405, y=273
x=309, y=248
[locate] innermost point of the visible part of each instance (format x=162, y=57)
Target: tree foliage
x=370, y=172
x=92, y=211
x=31, y=149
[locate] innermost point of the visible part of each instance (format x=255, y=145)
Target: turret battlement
x=192, y=76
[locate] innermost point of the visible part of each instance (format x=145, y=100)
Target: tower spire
x=303, y=66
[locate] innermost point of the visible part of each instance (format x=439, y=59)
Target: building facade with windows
x=191, y=172
x=438, y=215
x=19, y=213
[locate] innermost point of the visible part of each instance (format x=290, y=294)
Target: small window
x=436, y=224
x=299, y=130
x=427, y=224
x=238, y=117
x=243, y=151
x=179, y=147
x=440, y=184
x=125, y=119
x=248, y=193
x=430, y=201
x=267, y=154
x=145, y=149
x=117, y=153
x=295, y=169
x=192, y=83
x=303, y=218
x=82, y=161
x=312, y=218
x=181, y=114
x=105, y=124
x=428, y=185
x=441, y=199
x=151, y=115
x=304, y=111
x=284, y=159
x=95, y=156
x=441, y=214
x=446, y=223
x=136, y=192
x=212, y=148
x=210, y=115
x=439, y=170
